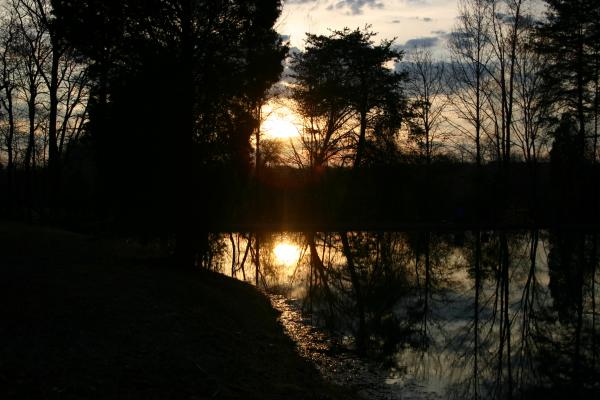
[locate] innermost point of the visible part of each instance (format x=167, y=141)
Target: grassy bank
x=83, y=318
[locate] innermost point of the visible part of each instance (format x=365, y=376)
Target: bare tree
x=325, y=140
x=73, y=96
x=506, y=19
x=32, y=52
x=470, y=55
x=37, y=14
x=532, y=107
x=44, y=89
x=426, y=89
x=8, y=87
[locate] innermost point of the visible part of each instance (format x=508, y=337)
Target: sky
x=422, y=23
x=411, y=22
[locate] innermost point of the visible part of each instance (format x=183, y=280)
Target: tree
x=373, y=87
x=205, y=65
x=30, y=48
x=320, y=96
x=533, y=107
x=37, y=13
x=568, y=38
x=8, y=65
x=44, y=92
x=343, y=83
x=469, y=47
x=506, y=21
x=429, y=100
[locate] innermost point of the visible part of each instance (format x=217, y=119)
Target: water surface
x=470, y=314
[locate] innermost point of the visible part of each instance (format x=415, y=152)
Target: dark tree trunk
x=360, y=149
x=53, y=153
x=257, y=260
x=10, y=167
x=185, y=184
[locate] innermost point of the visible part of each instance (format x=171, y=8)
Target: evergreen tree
x=569, y=39
x=347, y=81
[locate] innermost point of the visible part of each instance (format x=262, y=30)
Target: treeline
x=107, y=107
x=121, y=102
x=391, y=198
x=519, y=83
x=44, y=94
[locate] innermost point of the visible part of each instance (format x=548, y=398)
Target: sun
x=280, y=122
x=286, y=254
x=278, y=128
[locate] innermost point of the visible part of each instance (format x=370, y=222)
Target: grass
x=83, y=318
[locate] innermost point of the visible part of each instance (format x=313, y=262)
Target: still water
x=477, y=314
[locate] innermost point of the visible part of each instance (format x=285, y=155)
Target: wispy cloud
x=423, y=42
x=401, y=19
x=355, y=7
x=352, y=7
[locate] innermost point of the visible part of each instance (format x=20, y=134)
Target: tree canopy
x=570, y=38
x=176, y=84
x=345, y=83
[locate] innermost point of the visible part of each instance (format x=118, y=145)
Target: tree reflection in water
x=478, y=314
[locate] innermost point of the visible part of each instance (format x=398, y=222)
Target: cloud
x=424, y=42
x=355, y=7
x=400, y=19
x=417, y=2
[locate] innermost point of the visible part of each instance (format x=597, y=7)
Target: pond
x=488, y=314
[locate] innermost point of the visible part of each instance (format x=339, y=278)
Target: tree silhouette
x=569, y=38
x=344, y=86
x=429, y=100
x=469, y=49
x=176, y=86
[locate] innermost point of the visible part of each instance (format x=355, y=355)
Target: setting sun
x=286, y=254
x=279, y=128
x=280, y=122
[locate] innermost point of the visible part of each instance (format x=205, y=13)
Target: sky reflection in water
x=466, y=314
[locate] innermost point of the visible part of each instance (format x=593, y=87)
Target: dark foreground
x=85, y=318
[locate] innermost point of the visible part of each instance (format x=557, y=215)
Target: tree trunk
x=360, y=149
x=233, y=259
x=257, y=260
x=29, y=154
x=53, y=154
x=186, y=182
x=10, y=168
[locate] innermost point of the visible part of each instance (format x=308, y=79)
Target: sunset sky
x=411, y=22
